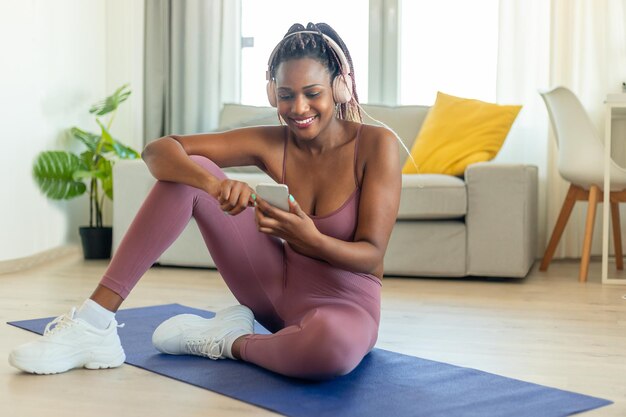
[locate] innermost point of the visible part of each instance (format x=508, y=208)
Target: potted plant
x=63, y=175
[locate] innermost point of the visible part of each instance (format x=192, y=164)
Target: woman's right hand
x=233, y=196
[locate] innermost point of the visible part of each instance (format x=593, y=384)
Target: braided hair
x=308, y=45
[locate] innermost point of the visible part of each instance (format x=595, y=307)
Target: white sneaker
x=69, y=343
x=189, y=334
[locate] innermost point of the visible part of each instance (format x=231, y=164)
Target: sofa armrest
x=501, y=219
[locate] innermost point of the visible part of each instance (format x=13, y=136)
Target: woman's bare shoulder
x=269, y=145
x=377, y=141
x=271, y=138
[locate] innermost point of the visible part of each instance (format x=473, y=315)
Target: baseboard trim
x=28, y=262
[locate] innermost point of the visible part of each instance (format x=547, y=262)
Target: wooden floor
x=547, y=329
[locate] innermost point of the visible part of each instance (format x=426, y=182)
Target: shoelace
x=212, y=348
x=60, y=323
x=65, y=321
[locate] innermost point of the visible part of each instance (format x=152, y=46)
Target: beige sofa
x=484, y=224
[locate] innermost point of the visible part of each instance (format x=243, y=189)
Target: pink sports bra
x=340, y=223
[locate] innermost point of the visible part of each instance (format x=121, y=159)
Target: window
x=266, y=22
x=449, y=46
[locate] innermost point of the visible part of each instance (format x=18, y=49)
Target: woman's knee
x=335, y=363
x=180, y=191
x=335, y=352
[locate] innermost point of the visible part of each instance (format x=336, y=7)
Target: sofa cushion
x=458, y=132
x=432, y=196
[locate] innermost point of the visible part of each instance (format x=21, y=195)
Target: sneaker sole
x=92, y=361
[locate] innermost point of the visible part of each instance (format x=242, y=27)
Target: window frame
x=384, y=52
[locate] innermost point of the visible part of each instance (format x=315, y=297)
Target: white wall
x=55, y=66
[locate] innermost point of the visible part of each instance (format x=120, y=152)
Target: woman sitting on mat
x=311, y=275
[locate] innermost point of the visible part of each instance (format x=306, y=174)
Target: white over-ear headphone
x=342, y=84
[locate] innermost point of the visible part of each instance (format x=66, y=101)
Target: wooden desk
x=615, y=108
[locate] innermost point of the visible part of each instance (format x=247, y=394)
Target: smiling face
x=305, y=97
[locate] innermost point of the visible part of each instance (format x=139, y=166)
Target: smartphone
x=275, y=194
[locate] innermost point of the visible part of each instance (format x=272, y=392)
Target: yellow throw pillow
x=458, y=132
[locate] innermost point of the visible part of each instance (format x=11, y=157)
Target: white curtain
x=579, y=44
x=193, y=55
x=523, y=51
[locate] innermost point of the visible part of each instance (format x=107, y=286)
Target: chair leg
x=566, y=211
x=594, y=192
x=617, y=236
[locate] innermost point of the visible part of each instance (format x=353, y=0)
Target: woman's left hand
x=294, y=226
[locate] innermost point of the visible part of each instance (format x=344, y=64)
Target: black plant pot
x=96, y=242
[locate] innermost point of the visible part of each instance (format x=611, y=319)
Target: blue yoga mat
x=384, y=384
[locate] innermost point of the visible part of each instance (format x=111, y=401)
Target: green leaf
x=106, y=140
x=108, y=144
x=87, y=158
x=111, y=102
x=82, y=174
x=107, y=181
x=124, y=152
x=54, y=174
x=90, y=140
x=99, y=168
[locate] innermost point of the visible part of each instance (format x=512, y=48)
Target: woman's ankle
x=236, y=347
x=107, y=298
x=94, y=314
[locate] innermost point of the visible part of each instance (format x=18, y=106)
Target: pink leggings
x=324, y=319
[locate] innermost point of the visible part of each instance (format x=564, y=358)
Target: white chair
x=581, y=163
